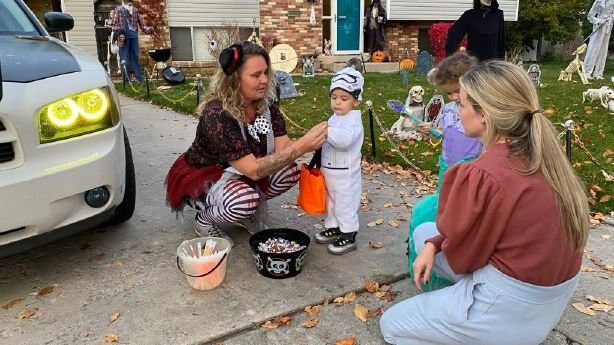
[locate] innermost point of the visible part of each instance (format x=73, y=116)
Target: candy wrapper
x=279, y=245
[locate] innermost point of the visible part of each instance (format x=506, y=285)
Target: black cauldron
x=279, y=265
x=160, y=54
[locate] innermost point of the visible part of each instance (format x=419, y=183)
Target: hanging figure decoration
x=601, y=15
x=484, y=26
x=375, y=19
x=126, y=18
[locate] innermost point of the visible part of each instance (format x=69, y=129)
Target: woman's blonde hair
x=505, y=96
x=225, y=88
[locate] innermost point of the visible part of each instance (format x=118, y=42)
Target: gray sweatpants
x=484, y=307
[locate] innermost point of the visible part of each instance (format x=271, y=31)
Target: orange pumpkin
x=407, y=64
x=378, y=56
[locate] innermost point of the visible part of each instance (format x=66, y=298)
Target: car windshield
x=13, y=20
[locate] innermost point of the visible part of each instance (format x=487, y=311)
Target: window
x=13, y=21
x=181, y=44
x=192, y=43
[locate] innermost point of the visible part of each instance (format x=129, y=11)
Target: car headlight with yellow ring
x=84, y=113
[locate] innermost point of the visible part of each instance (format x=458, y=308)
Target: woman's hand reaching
x=314, y=139
x=424, y=264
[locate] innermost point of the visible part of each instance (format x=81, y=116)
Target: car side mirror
x=58, y=22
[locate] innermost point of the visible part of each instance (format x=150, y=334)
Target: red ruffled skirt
x=184, y=181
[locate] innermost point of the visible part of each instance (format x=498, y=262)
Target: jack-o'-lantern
x=378, y=56
x=407, y=64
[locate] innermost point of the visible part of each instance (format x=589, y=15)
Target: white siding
x=186, y=13
x=83, y=34
x=441, y=9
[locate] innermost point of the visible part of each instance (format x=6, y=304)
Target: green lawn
x=562, y=101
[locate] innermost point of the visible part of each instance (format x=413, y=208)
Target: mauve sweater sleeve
x=471, y=217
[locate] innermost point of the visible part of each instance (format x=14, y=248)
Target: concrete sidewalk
x=130, y=270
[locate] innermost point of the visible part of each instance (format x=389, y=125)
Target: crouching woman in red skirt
x=241, y=155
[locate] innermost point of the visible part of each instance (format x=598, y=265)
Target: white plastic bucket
x=203, y=272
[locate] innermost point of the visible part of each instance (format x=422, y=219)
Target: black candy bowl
x=279, y=265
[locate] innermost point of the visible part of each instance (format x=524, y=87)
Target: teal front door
x=348, y=18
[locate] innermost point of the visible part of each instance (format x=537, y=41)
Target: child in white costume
x=341, y=158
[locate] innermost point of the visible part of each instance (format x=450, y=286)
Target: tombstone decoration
x=286, y=85
x=535, y=74
x=433, y=108
x=425, y=63
x=308, y=69
x=404, y=77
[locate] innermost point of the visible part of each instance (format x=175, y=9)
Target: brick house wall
x=288, y=21
x=401, y=35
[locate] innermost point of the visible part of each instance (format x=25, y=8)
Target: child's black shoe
x=343, y=244
x=328, y=235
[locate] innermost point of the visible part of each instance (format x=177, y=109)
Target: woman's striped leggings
x=240, y=200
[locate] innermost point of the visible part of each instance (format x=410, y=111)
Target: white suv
x=65, y=160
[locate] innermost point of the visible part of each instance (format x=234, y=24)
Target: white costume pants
x=484, y=307
x=343, y=191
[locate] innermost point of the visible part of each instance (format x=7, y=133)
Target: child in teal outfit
x=456, y=147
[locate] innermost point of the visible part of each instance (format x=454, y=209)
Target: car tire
x=125, y=210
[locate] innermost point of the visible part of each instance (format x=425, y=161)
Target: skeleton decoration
x=300, y=262
x=603, y=94
x=259, y=264
x=308, y=67
x=404, y=128
x=328, y=47
x=535, y=74
x=433, y=109
x=424, y=63
x=278, y=267
x=576, y=66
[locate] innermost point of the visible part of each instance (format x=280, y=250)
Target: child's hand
x=425, y=127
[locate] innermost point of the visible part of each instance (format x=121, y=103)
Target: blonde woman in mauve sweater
x=510, y=229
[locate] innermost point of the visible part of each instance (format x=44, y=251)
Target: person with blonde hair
x=241, y=155
x=510, y=229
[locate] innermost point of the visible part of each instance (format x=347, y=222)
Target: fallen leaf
x=119, y=263
x=361, y=312
x=374, y=312
x=270, y=325
x=12, y=303
x=311, y=323
x=312, y=310
x=347, y=341
x=349, y=297
x=371, y=286
x=385, y=288
x=549, y=112
x=401, y=218
x=27, y=313
x=379, y=221
x=427, y=153
x=597, y=189
x=388, y=205
x=583, y=309
x=376, y=245
x=111, y=338
x=601, y=307
x=371, y=224
x=588, y=269
x=606, y=237
x=44, y=291
x=114, y=317
x=382, y=139
x=605, y=198
x=284, y=320
x=393, y=223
